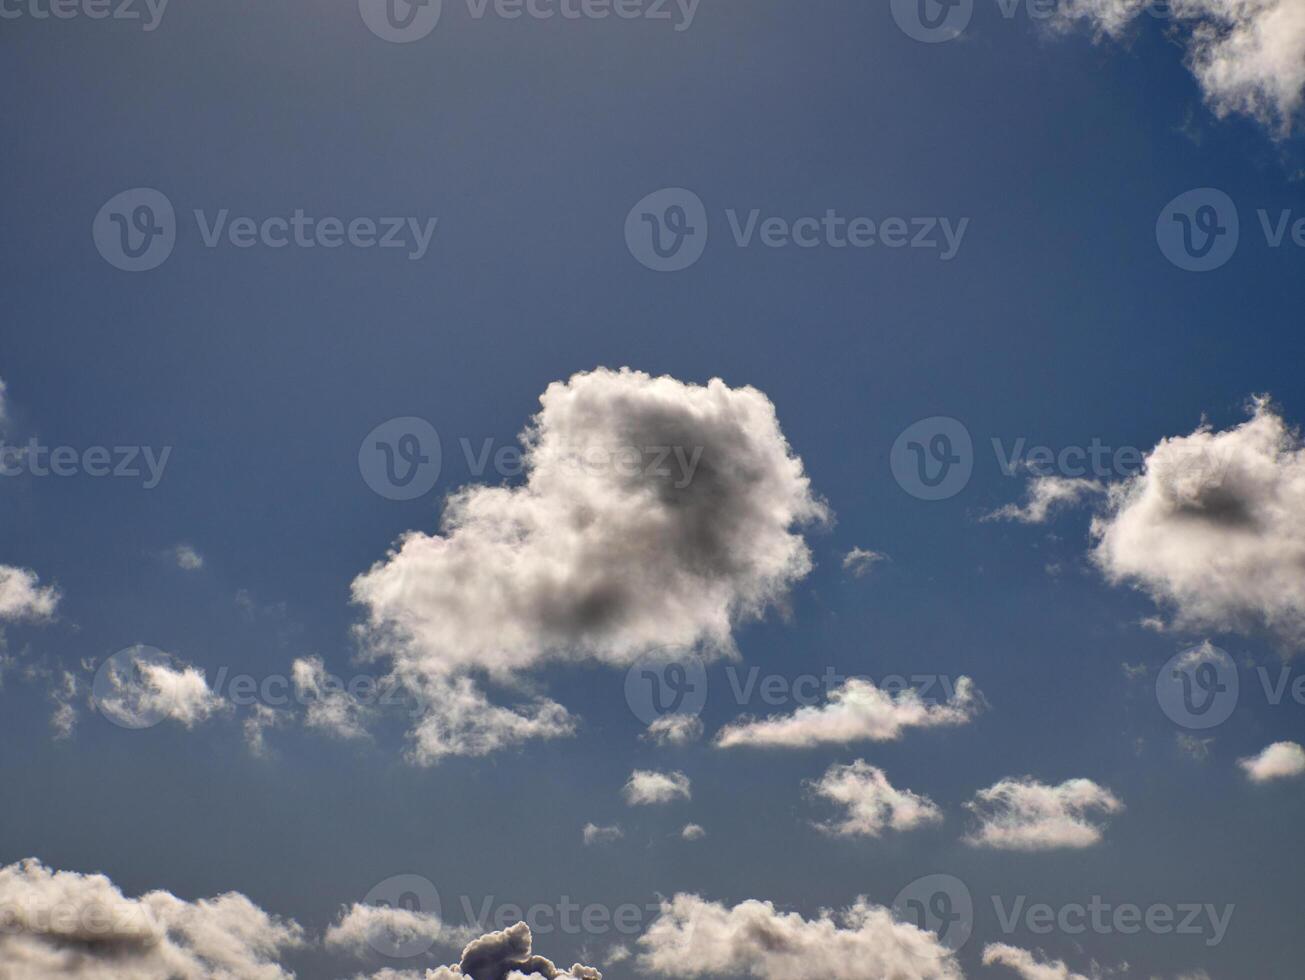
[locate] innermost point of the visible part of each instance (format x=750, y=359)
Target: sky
x=744, y=489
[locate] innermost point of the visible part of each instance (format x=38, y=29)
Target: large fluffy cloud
x=61, y=924
x=653, y=513
x=1248, y=55
x=23, y=597
x=1281, y=760
x=1214, y=527
x=871, y=803
x=1025, y=815
x=693, y=937
x=856, y=711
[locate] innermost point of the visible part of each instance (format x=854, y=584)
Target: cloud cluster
x=1281, y=760
x=505, y=955
x=1248, y=55
x=871, y=802
x=81, y=927
x=1213, y=527
x=693, y=937
x=653, y=513
x=22, y=597
x=1043, y=496
x=1025, y=815
x=645, y=787
x=856, y=711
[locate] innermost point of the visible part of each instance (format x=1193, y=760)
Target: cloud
x=63, y=692
x=856, y=711
x=1025, y=815
x=140, y=687
x=260, y=719
x=22, y=597
x=188, y=558
x=1045, y=494
x=677, y=729
x=692, y=831
x=653, y=513
x=692, y=937
x=594, y=834
x=860, y=561
x=1247, y=55
x=1194, y=747
x=1212, y=527
x=329, y=707
x=457, y=719
x=1027, y=965
x=505, y=955
x=63, y=924
x=1281, y=760
x=646, y=787
x=363, y=929
x=871, y=803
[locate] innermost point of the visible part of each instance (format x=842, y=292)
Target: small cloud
x=872, y=804
x=677, y=729
x=1025, y=815
x=22, y=597
x=188, y=558
x=692, y=831
x=1194, y=747
x=860, y=561
x=646, y=787
x=1281, y=760
x=594, y=834
x=1043, y=496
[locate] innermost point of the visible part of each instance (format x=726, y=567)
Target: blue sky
x=1058, y=319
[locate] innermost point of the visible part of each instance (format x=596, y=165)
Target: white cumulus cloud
x=1043, y=496
x=646, y=787
x=693, y=937
x=856, y=711
x=140, y=687
x=675, y=729
x=871, y=803
x=22, y=597
x=1281, y=760
x=1214, y=527
x=1025, y=815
